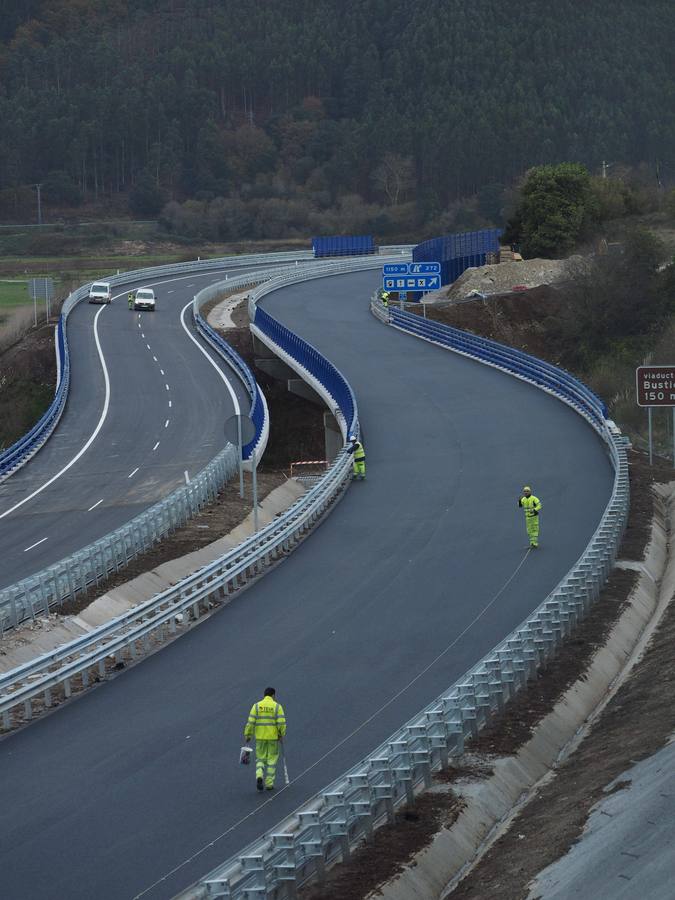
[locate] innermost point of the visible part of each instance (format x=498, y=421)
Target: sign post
x=239, y=430
x=655, y=386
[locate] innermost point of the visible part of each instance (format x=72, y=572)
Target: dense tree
x=246, y=99
x=556, y=210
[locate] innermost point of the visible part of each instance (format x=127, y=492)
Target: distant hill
x=328, y=114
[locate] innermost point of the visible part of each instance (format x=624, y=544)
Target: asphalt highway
x=134, y=790
x=141, y=390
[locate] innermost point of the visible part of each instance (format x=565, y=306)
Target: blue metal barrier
x=257, y=406
x=316, y=364
x=458, y=252
x=545, y=375
x=17, y=454
x=343, y=245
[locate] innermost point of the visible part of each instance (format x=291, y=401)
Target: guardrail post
x=310, y=840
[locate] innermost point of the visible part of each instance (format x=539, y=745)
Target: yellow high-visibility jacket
x=359, y=452
x=530, y=504
x=266, y=720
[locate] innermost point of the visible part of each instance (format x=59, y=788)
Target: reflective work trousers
x=266, y=758
x=532, y=525
x=359, y=468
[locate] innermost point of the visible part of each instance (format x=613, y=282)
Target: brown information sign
x=655, y=385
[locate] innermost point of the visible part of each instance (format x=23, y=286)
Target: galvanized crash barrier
x=22, y=450
x=39, y=593
x=339, y=818
x=45, y=591
x=54, y=676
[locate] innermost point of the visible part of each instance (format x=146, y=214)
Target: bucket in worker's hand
x=245, y=755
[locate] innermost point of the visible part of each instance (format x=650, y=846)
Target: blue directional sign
x=424, y=268
x=411, y=282
x=396, y=269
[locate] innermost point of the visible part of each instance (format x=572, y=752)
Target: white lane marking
x=235, y=401
x=95, y=505
x=95, y=432
x=131, y=474
x=148, y=346
x=162, y=371
x=166, y=386
x=169, y=292
x=155, y=358
x=142, y=335
x=187, y=477
x=169, y=404
x=166, y=424
x=36, y=544
x=156, y=446
x=139, y=324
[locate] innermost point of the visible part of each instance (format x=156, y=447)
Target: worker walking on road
x=384, y=297
x=130, y=300
x=356, y=447
x=267, y=723
x=532, y=506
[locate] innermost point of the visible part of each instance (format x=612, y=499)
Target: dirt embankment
x=27, y=381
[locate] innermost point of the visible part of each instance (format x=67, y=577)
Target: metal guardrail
x=63, y=580
x=22, y=450
x=338, y=818
x=71, y=665
x=55, y=675
x=48, y=589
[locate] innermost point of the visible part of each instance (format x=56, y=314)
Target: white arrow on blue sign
x=411, y=283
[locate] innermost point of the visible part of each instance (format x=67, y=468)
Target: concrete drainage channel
x=492, y=803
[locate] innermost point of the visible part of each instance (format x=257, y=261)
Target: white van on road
x=100, y=292
x=144, y=299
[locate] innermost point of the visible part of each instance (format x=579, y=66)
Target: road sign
x=655, y=385
x=395, y=269
x=424, y=268
x=411, y=282
x=41, y=288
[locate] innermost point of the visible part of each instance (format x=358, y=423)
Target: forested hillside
x=286, y=111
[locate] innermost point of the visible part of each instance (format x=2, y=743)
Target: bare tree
x=394, y=177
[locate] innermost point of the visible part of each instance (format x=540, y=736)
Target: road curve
x=134, y=789
x=140, y=391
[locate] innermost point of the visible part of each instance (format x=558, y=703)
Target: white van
x=100, y=292
x=144, y=299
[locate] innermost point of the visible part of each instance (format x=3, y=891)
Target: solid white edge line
x=235, y=401
x=131, y=474
x=36, y=544
x=95, y=432
x=95, y=505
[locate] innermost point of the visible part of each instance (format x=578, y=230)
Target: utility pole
x=38, y=187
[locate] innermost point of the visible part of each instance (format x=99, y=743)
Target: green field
x=13, y=293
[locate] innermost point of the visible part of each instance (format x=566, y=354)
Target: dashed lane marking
x=95, y=505
x=36, y=544
x=131, y=474
x=156, y=446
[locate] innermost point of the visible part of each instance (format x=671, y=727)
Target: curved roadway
x=134, y=790
x=141, y=389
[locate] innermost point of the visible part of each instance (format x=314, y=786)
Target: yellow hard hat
x=527, y=488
